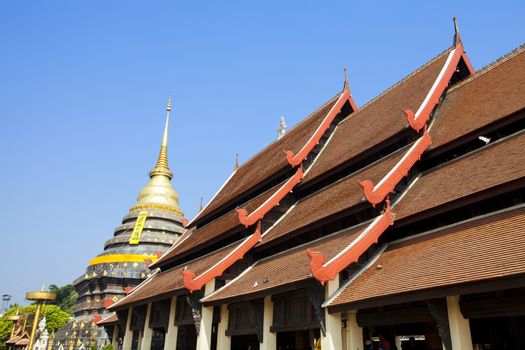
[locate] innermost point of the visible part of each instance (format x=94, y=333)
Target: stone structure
x=152, y=225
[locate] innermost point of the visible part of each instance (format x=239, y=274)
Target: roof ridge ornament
x=281, y=130
x=346, y=86
x=236, y=166
x=457, y=37
x=192, y=282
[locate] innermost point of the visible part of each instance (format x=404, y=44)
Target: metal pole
x=35, y=324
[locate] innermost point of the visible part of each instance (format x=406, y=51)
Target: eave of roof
x=170, y=282
x=483, y=248
x=502, y=163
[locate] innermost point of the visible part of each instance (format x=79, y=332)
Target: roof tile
x=477, y=101
x=482, y=249
x=501, y=162
x=379, y=119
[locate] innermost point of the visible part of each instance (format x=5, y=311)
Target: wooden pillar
x=204, y=338
x=223, y=341
x=269, y=338
x=332, y=339
x=459, y=326
x=147, y=332
x=114, y=338
x=128, y=334
x=170, y=342
x=354, y=333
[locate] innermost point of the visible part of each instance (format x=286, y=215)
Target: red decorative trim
x=376, y=193
x=296, y=159
x=264, y=208
x=185, y=222
x=418, y=120
x=193, y=283
x=108, y=302
x=327, y=271
x=97, y=319
x=128, y=289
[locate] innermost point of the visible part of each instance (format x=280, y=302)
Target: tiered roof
x=268, y=162
x=376, y=143
x=476, y=250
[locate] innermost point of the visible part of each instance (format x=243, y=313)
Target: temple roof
x=109, y=319
x=462, y=177
x=213, y=230
x=479, y=249
x=476, y=102
x=167, y=283
x=379, y=119
x=331, y=200
x=288, y=267
x=376, y=143
x=267, y=162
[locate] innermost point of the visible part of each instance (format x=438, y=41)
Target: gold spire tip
x=162, y=168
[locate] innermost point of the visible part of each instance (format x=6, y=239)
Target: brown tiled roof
x=215, y=228
x=332, y=199
x=482, y=249
x=379, y=119
x=168, y=282
x=109, y=319
x=22, y=342
x=270, y=160
x=284, y=268
x=489, y=95
x=490, y=166
x=13, y=340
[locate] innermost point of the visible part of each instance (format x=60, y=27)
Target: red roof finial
x=457, y=38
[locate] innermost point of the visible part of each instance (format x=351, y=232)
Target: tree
x=66, y=297
x=55, y=319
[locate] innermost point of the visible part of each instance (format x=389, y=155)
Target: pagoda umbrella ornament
x=39, y=298
x=18, y=325
x=15, y=319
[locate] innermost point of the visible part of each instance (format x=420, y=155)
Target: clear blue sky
x=83, y=85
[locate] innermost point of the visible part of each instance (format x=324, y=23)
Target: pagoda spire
x=159, y=192
x=162, y=167
x=457, y=37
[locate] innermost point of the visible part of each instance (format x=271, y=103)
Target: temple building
x=152, y=225
x=397, y=223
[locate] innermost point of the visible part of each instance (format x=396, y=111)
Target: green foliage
x=93, y=347
x=109, y=347
x=66, y=297
x=55, y=319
